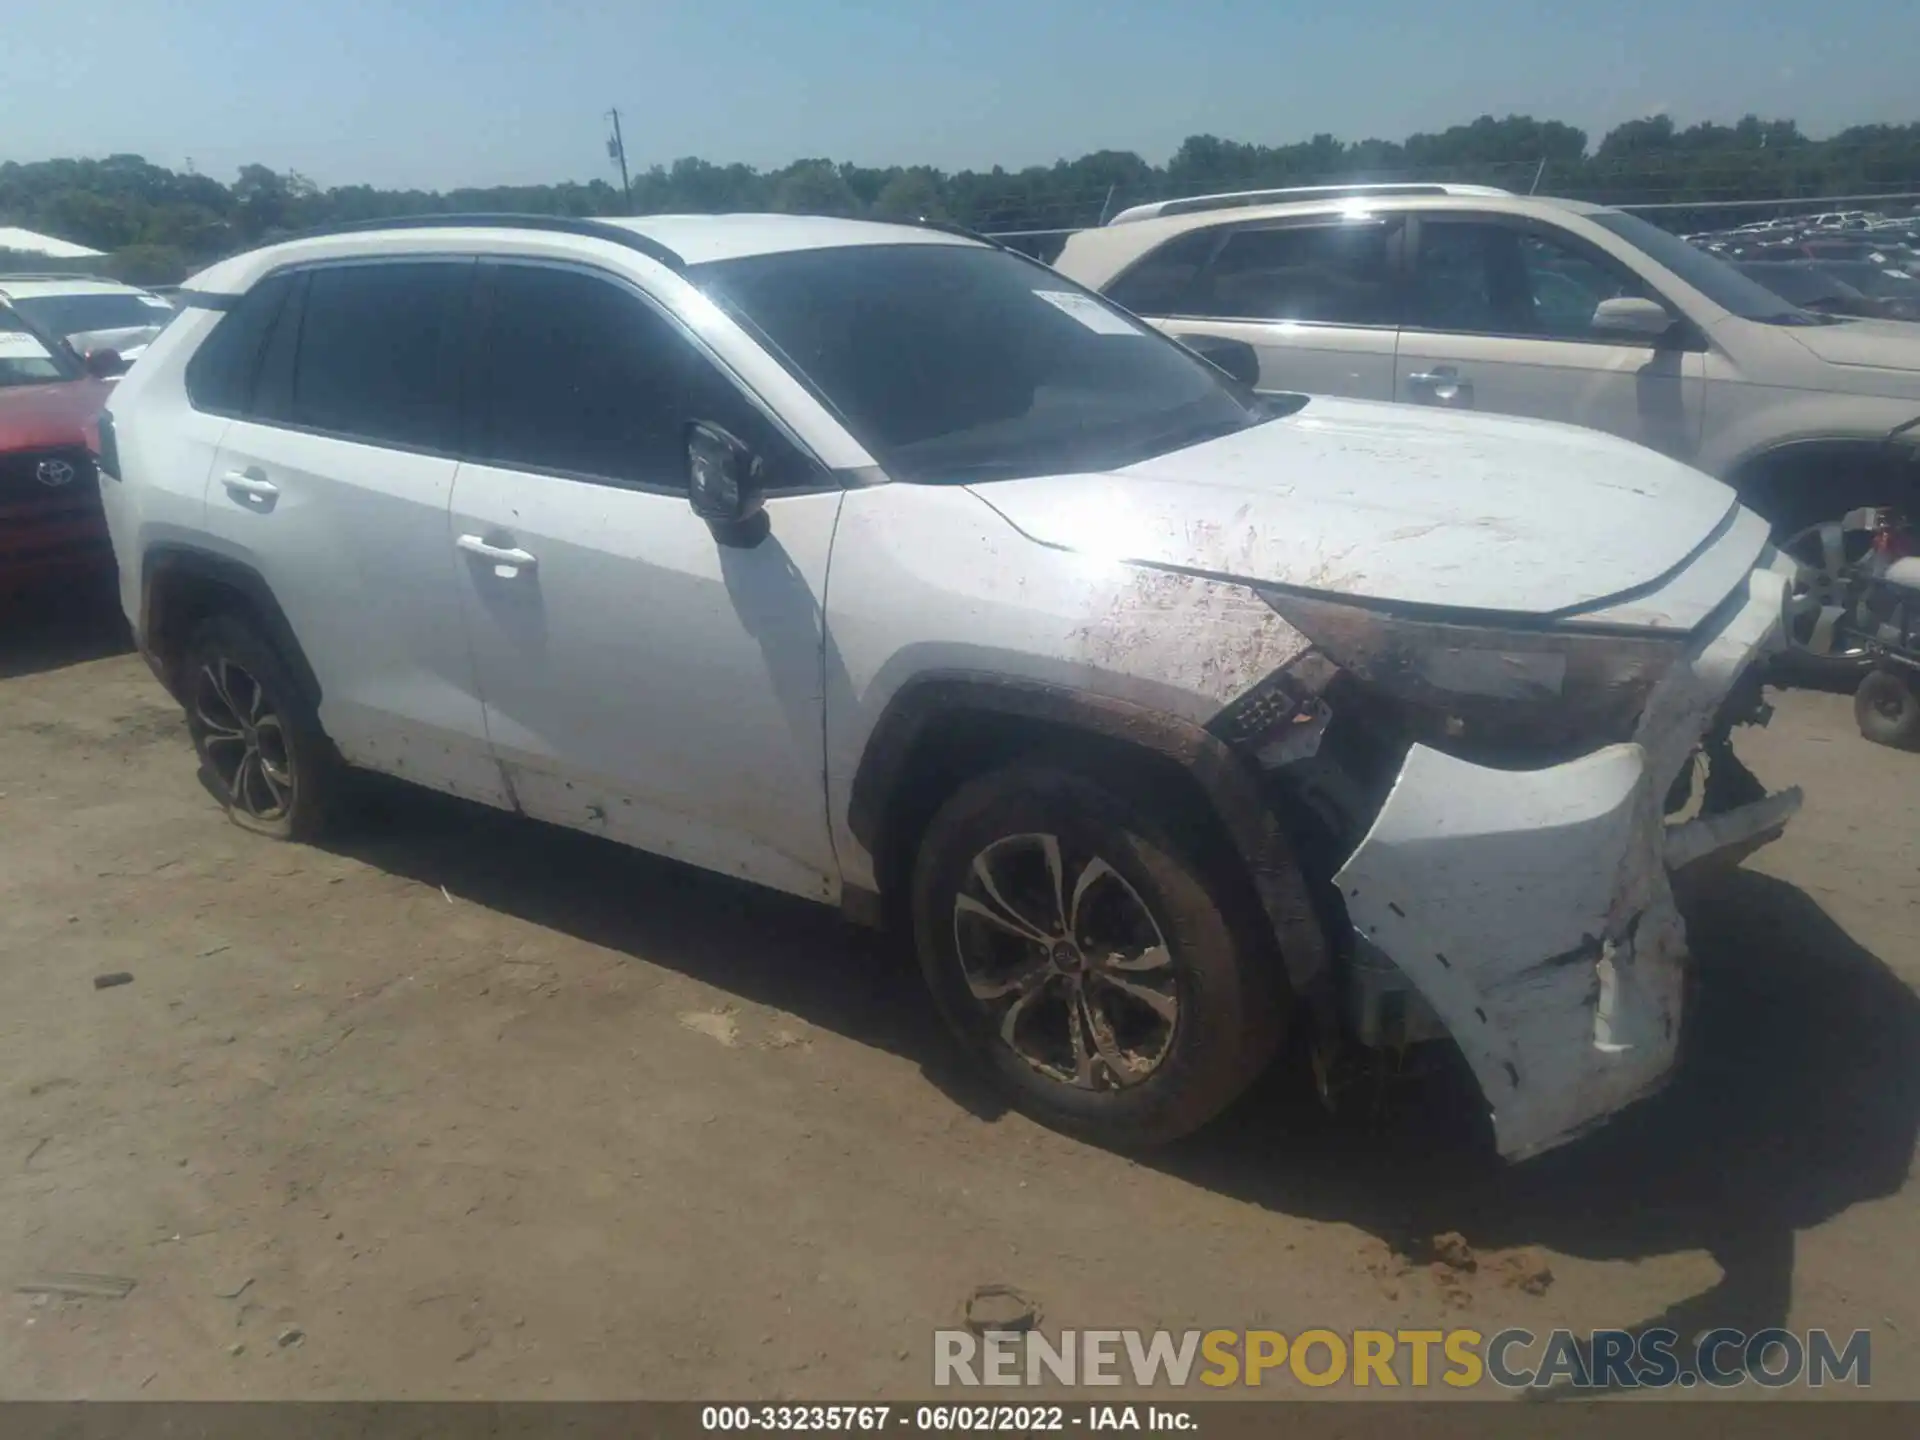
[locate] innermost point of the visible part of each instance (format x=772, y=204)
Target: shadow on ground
x=53, y=627
x=1797, y=1097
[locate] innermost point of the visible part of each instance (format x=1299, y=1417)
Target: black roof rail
x=56, y=275
x=581, y=225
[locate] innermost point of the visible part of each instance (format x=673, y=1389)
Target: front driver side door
x=1500, y=318
x=641, y=679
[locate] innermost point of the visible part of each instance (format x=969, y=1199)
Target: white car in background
x=88, y=313
x=884, y=567
x=1463, y=297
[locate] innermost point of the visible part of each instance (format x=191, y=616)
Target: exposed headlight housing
x=1513, y=698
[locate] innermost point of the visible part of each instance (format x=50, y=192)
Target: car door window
x=1488, y=279
x=378, y=347
x=1158, y=284
x=1565, y=285
x=1331, y=274
x=578, y=376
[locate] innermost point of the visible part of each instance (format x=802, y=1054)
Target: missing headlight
x=1512, y=698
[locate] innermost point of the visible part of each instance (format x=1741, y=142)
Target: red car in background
x=51, y=524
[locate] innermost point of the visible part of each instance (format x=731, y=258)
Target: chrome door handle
x=249, y=484
x=1443, y=382
x=506, y=560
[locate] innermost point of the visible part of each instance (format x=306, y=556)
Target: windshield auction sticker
x=1089, y=312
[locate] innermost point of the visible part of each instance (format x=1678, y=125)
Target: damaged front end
x=1495, y=815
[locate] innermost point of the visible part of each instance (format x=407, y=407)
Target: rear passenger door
x=1500, y=318
x=334, y=484
x=1316, y=297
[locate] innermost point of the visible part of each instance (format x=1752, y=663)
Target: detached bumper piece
x=1532, y=909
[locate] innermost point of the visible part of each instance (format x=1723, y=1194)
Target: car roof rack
x=589, y=227
x=1195, y=204
x=5, y=276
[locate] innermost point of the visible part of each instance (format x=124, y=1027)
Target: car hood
x=35, y=417
x=1393, y=504
x=1871, y=344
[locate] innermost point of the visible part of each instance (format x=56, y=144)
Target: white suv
x=884, y=567
x=1464, y=297
x=90, y=314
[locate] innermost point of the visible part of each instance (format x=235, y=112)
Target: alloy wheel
x=1826, y=586
x=244, y=740
x=1068, y=961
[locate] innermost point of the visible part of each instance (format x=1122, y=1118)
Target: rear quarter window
x=220, y=376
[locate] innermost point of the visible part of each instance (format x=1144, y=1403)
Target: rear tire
x=1887, y=710
x=1115, y=985
x=262, y=751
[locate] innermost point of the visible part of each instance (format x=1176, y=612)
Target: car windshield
x=79, y=314
x=25, y=359
x=1708, y=274
x=1803, y=284
x=963, y=363
x=1884, y=282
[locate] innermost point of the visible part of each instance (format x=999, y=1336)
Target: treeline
x=158, y=224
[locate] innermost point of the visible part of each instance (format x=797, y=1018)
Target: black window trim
x=1395, y=222
x=478, y=314
x=1684, y=336
x=469, y=331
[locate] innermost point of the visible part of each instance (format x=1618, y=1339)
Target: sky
x=442, y=93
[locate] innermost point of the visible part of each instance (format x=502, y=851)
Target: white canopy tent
x=27, y=242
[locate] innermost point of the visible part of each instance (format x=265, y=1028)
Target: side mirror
x=1632, y=315
x=1236, y=357
x=104, y=364
x=725, y=480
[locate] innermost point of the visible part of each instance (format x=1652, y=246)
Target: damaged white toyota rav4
x=887, y=568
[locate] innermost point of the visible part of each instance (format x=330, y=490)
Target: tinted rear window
x=378, y=348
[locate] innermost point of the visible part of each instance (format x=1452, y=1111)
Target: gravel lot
x=463, y=1106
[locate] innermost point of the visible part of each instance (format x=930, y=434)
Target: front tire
x=1113, y=983
x=1823, y=650
x=262, y=751
x=1887, y=711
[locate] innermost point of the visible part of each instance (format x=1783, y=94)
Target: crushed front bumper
x=1532, y=910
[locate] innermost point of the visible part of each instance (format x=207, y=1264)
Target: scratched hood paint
x=1395, y=504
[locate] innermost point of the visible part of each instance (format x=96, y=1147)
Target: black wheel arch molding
x=174, y=579
x=881, y=804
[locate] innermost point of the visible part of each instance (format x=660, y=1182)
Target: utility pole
x=617, y=149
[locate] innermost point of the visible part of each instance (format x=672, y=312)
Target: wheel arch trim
x=165, y=563
x=1225, y=781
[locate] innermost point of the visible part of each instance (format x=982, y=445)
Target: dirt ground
x=463, y=1106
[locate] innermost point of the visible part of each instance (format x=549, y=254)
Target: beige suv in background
x=1467, y=297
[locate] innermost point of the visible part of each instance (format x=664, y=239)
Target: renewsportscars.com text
x=1512, y=1359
